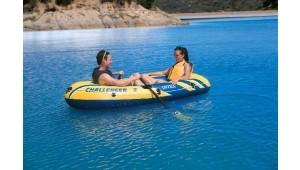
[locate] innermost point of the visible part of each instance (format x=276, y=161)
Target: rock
x=93, y=14
x=108, y=22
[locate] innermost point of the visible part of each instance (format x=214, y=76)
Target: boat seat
x=192, y=67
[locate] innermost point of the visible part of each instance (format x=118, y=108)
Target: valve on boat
x=158, y=91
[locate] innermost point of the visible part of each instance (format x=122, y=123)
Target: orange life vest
x=176, y=71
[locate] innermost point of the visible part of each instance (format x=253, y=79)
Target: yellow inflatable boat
x=87, y=95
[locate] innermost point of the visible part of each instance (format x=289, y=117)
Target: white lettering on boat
x=105, y=90
x=169, y=86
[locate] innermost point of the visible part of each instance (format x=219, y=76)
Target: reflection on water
x=179, y=115
x=132, y=121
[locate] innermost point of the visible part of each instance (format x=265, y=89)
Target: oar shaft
x=154, y=93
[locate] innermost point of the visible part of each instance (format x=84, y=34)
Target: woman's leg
x=132, y=83
x=160, y=81
x=148, y=80
x=151, y=80
x=138, y=83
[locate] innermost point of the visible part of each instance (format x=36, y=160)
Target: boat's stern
x=201, y=78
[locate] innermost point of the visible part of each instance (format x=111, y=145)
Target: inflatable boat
x=88, y=95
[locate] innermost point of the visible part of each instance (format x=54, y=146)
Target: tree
x=62, y=2
x=271, y=4
x=146, y=3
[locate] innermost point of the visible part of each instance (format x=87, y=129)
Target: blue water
x=233, y=126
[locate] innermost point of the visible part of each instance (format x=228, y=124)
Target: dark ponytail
x=183, y=51
x=102, y=54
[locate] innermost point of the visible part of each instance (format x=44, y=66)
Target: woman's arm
x=187, y=72
x=159, y=73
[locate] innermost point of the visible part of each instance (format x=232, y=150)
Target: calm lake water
x=233, y=126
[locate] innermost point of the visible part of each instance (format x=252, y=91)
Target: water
x=233, y=126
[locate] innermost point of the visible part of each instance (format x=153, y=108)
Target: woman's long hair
x=183, y=51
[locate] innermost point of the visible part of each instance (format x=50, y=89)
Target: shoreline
x=191, y=16
x=225, y=14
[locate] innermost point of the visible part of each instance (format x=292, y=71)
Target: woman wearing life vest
x=181, y=70
x=103, y=76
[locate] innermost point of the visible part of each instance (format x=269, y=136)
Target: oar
x=153, y=92
x=176, y=113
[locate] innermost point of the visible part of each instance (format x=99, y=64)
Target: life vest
x=97, y=73
x=176, y=71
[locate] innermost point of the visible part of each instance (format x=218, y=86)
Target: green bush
x=146, y=3
x=63, y=2
x=58, y=2
x=31, y=2
x=271, y=3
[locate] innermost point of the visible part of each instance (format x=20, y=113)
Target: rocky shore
x=93, y=14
